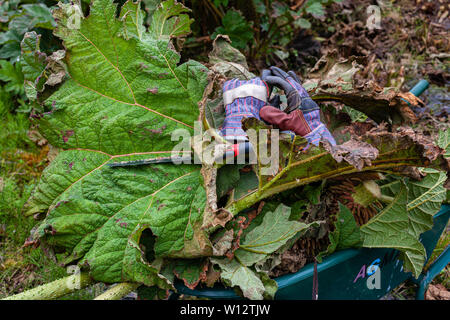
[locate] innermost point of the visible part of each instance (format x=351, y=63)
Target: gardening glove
x=302, y=115
x=242, y=98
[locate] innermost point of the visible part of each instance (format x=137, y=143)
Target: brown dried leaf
x=357, y=153
x=218, y=218
x=437, y=292
x=212, y=276
x=292, y=260
x=408, y=137
x=36, y=137
x=335, y=79
x=223, y=244
x=55, y=68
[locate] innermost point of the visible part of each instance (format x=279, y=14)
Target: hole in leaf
x=147, y=243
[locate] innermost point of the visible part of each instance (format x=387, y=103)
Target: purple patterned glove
x=306, y=121
x=242, y=98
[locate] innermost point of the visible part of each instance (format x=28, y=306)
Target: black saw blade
x=174, y=160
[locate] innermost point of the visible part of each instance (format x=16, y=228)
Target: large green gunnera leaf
x=125, y=96
x=391, y=229
x=425, y=198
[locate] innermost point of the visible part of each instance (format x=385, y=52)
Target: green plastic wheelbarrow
x=349, y=274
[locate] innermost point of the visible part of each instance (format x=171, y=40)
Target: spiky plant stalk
x=55, y=289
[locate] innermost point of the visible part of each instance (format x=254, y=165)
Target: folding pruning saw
x=243, y=149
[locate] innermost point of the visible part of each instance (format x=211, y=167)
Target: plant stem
x=118, y=291
x=55, y=289
x=271, y=188
x=386, y=199
x=215, y=10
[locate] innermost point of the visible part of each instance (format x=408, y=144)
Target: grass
x=20, y=267
x=21, y=164
x=23, y=268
